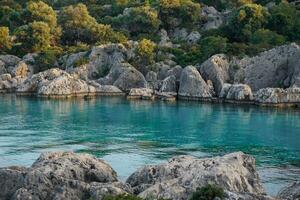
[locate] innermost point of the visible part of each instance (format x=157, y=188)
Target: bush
x=212, y=45
x=146, y=50
x=267, y=38
x=81, y=61
x=209, y=192
x=122, y=197
x=47, y=59
x=5, y=40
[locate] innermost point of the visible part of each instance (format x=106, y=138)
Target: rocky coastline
x=271, y=78
x=66, y=175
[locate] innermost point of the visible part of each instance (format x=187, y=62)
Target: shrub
x=146, y=50
x=212, y=45
x=5, y=40
x=267, y=38
x=47, y=59
x=81, y=61
x=209, y=192
x=122, y=197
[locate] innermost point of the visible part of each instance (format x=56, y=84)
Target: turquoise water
x=129, y=134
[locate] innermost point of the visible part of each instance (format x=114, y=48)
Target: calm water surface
x=129, y=134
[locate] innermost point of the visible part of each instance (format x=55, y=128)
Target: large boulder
x=192, y=84
x=278, y=96
x=61, y=175
x=278, y=67
x=103, y=58
x=8, y=62
x=239, y=92
x=130, y=78
x=114, y=73
x=291, y=192
x=141, y=93
x=177, y=179
x=175, y=71
x=216, y=69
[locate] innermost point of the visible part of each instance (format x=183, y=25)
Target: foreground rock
x=61, y=176
x=291, y=192
x=192, y=85
x=238, y=92
x=182, y=175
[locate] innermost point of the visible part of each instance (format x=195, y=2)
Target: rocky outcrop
x=9, y=83
x=278, y=67
x=182, y=175
x=130, y=78
x=278, y=96
x=103, y=58
x=175, y=71
x=61, y=176
x=238, y=92
x=141, y=93
x=164, y=39
x=192, y=84
x=291, y=192
x=213, y=18
x=216, y=69
x=169, y=85
x=58, y=83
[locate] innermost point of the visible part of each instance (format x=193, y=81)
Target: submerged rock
x=61, y=176
x=192, y=84
x=182, y=175
x=291, y=192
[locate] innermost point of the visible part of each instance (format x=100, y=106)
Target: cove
x=130, y=134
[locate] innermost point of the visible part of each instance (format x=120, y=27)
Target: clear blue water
x=129, y=134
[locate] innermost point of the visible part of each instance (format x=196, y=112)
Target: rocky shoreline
x=270, y=79
x=66, y=175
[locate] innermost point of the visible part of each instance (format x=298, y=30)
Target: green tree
x=212, y=45
x=246, y=20
x=34, y=37
x=5, y=40
x=145, y=50
x=209, y=192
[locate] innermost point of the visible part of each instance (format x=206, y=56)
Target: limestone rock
x=104, y=89
x=214, y=19
x=164, y=39
x=216, y=69
x=192, y=84
x=140, y=93
x=80, y=72
x=278, y=67
x=114, y=73
x=175, y=71
x=103, y=58
x=129, y=79
x=277, y=95
x=178, y=178
x=61, y=175
x=291, y=192
x=193, y=37
x=21, y=70
x=169, y=85
x=239, y=92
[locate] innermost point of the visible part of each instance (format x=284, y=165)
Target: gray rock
x=114, y=73
x=278, y=67
x=192, y=85
x=141, y=93
x=169, y=85
x=214, y=19
x=180, y=34
x=70, y=60
x=22, y=70
x=103, y=58
x=80, y=72
x=61, y=175
x=277, y=95
x=2, y=68
x=216, y=69
x=239, y=92
x=182, y=175
x=130, y=78
x=175, y=71
x=164, y=39
x=193, y=37
x=291, y=192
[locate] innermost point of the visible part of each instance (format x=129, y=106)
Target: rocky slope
x=65, y=175
x=270, y=78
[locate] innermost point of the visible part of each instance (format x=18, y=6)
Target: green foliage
x=5, y=40
x=246, y=20
x=285, y=20
x=34, y=37
x=81, y=61
x=209, y=192
x=145, y=50
x=122, y=197
x=47, y=59
x=212, y=45
x=267, y=38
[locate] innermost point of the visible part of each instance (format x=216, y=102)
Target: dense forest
x=53, y=28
